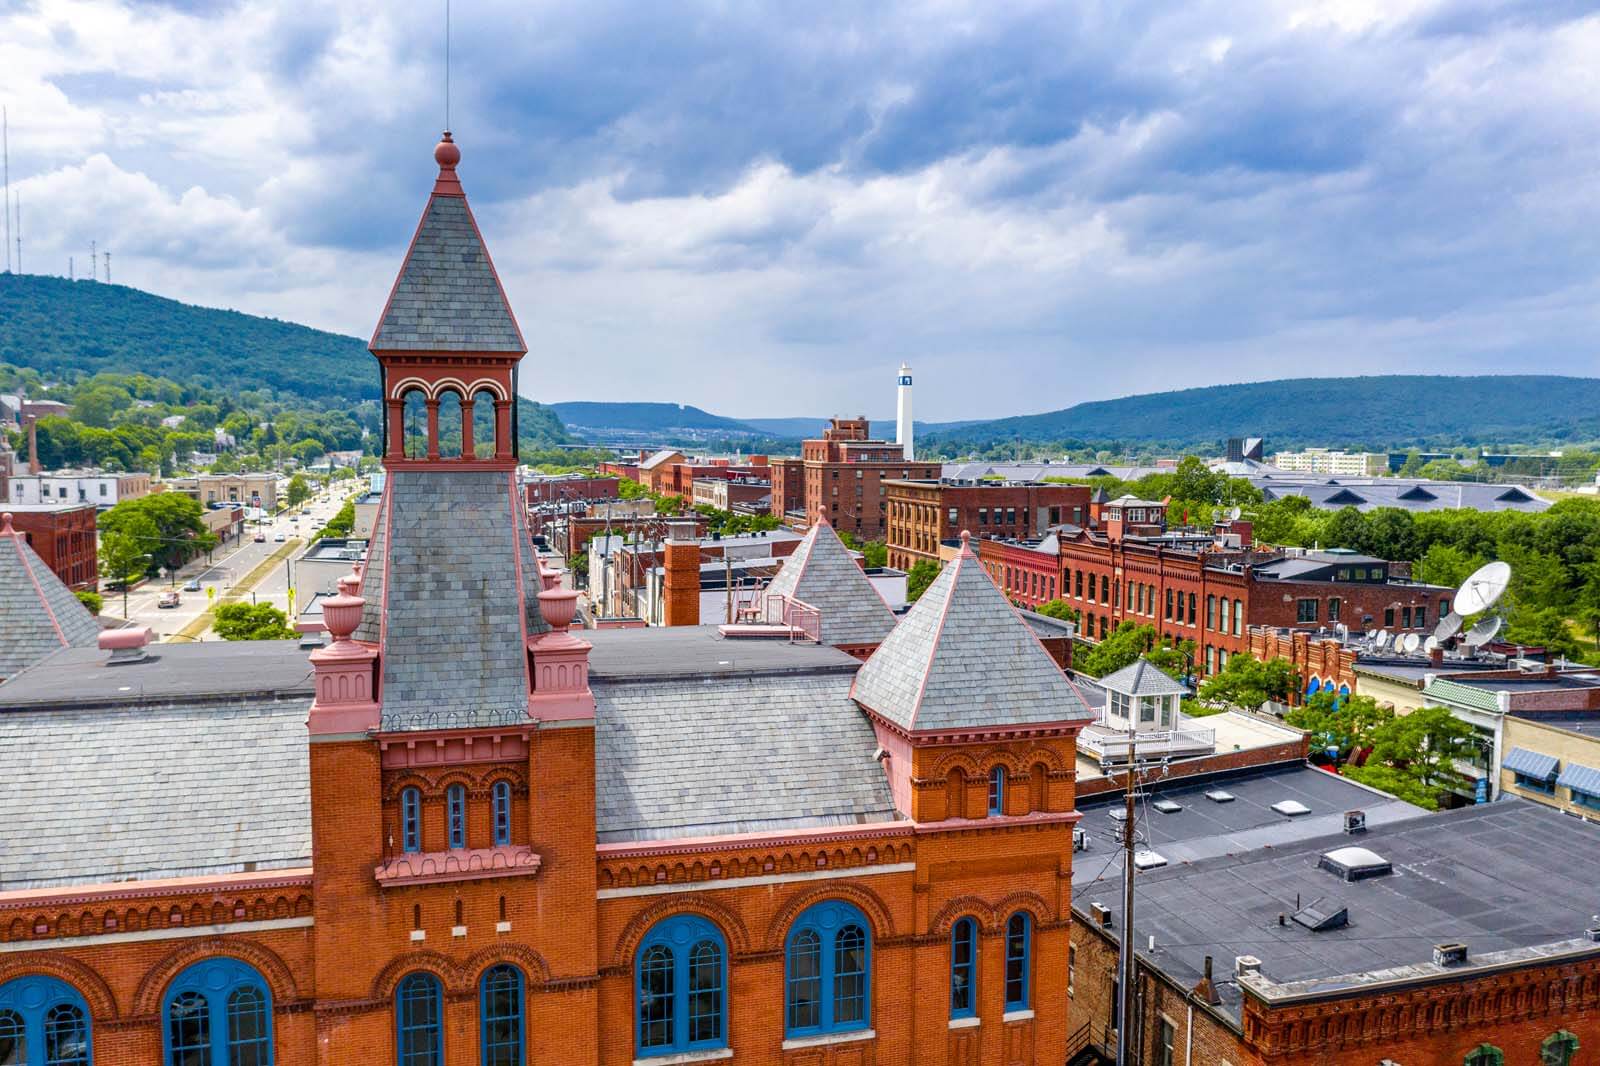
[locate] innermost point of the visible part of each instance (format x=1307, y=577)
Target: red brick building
x=1212, y=587
x=789, y=489
x=925, y=514
x=845, y=475
x=1028, y=572
x=567, y=488
x=468, y=836
x=64, y=536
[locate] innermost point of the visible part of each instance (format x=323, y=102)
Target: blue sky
x=763, y=208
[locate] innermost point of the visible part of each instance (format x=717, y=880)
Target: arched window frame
x=33, y=1006
x=1558, y=1049
x=411, y=819
x=964, y=969
x=681, y=992
x=231, y=992
x=1485, y=1055
x=997, y=790
x=817, y=933
x=501, y=794
x=455, y=806
x=419, y=990
x=502, y=1004
x=1019, y=961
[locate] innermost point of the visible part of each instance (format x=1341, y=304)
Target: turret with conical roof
x=823, y=574
x=38, y=613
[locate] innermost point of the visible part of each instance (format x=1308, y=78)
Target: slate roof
x=176, y=790
x=1139, y=678
x=1459, y=876
x=962, y=657
x=442, y=571
x=739, y=754
x=447, y=297
x=822, y=572
x=38, y=614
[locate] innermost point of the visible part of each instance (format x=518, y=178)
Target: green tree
x=919, y=577
x=342, y=523
x=1120, y=648
x=1248, y=682
x=92, y=600
x=1397, y=783
x=180, y=530
x=125, y=552
x=251, y=621
x=1445, y=564
x=628, y=489
x=299, y=490
x=876, y=553
x=1425, y=744
x=1344, y=723
x=1057, y=609
x=1174, y=660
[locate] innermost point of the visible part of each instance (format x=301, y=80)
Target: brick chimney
x=681, y=575
x=346, y=699
x=1206, y=990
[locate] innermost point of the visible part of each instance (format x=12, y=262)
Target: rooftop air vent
x=1246, y=964
x=1449, y=954
x=1355, y=864
x=1291, y=808
x=1101, y=914
x=1166, y=806
x=1592, y=933
x=1080, y=839
x=1319, y=917
x=1148, y=860
x=1355, y=821
x=126, y=645
x=1219, y=795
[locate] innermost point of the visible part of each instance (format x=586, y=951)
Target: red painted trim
x=734, y=841
x=383, y=610
x=522, y=586
x=22, y=557
x=64, y=895
x=464, y=864
x=1008, y=821
x=482, y=465
x=938, y=634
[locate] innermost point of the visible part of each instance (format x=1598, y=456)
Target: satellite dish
x=1410, y=643
x=1234, y=513
x=1484, y=631
x=1383, y=638
x=1448, y=626
x=1430, y=645
x=1483, y=589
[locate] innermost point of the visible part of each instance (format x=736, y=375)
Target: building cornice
x=28, y=898
x=790, y=838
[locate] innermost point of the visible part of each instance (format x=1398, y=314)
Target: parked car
x=192, y=585
x=260, y=538
x=168, y=598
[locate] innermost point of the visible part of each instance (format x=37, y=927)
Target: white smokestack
x=902, y=426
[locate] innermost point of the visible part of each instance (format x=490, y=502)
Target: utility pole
x=1125, y=961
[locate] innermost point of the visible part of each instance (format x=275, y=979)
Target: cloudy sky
x=763, y=208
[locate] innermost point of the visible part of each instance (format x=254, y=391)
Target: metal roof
x=1531, y=763
x=1580, y=778
x=1447, y=691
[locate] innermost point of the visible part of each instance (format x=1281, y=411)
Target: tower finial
x=5, y=524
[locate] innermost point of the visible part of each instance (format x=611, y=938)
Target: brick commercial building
x=250, y=490
x=1421, y=940
x=565, y=488
x=726, y=494
x=789, y=490
x=1027, y=571
x=924, y=514
x=63, y=535
x=1213, y=587
x=98, y=487
x=845, y=477
x=38, y=612
x=466, y=835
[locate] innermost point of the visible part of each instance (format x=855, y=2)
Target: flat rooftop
x=1584, y=723
x=700, y=651
x=42, y=508
x=197, y=672
x=1458, y=877
x=1234, y=731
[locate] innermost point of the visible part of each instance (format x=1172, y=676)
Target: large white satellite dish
x=1430, y=645
x=1382, y=640
x=1410, y=643
x=1483, y=589
x=1448, y=627
x=1484, y=631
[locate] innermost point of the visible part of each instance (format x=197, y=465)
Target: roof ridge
x=23, y=549
x=938, y=635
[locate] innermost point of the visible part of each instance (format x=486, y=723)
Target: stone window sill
x=964, y=1023
x=1017, y=1016
x=685, y=1057
x=824, y=1039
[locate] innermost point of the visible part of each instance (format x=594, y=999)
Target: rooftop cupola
x=447, y=341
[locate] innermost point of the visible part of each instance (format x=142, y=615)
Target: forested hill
x=69, y=330
x=1359, y=412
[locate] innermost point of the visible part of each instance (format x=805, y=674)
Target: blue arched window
x=997, y=790
x=1314, y=686
x=43, y=1022
x=963, y=968
x=218, y=1012
x=502, y=813
x=682, y=981
x=500, y=1013
x=1018, y=951
x=418, y=1021
x=455, y=799
x=827, y=979
x=410, y=820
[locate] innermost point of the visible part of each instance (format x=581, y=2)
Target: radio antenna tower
x=5, y=149
x=19, y=231
x=94, y=263
x=69, y=269
x=108, y=268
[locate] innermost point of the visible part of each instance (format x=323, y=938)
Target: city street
x=230, y=564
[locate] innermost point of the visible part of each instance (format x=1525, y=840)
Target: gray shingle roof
x=447, y=297
x=701, y=757
x=822, y=573
x=108, y=794
x=963, y=658
x=1139, y=678
x=38, y=614
x=453, y=647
